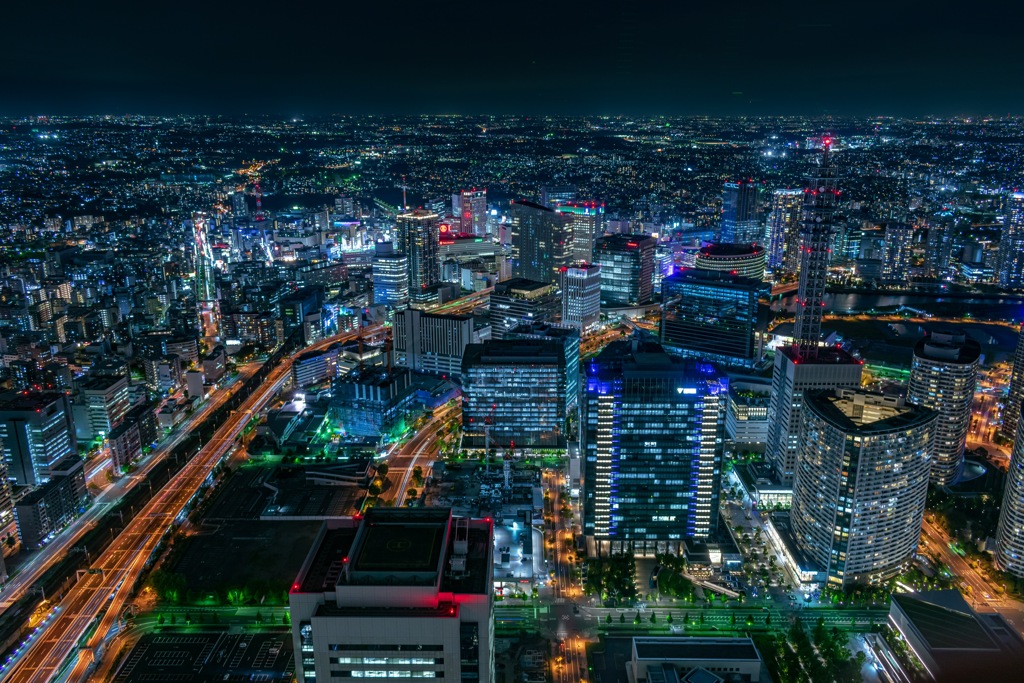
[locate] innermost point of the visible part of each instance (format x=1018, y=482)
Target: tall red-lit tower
x=818, y=223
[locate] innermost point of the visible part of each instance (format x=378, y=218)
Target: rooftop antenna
x=405, y=186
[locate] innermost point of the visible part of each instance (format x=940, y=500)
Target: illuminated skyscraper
x=943, y=377
x=417, y=235
x=36, y=431
x=627, y=269
x=471, y=208
x=741, y=204
x=808, y=365
x=581, y=297
x=588, y=224
x=1011, y=412
x=861, y=483
x=899, y=243
x=652, y=436
x=1010, y=533
x=1010, y=264
x=390, y=277
x=712, y=315
x=541, y=241
x=784, y=232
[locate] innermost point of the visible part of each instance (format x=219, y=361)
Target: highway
x=29, y=573
x=93, y=605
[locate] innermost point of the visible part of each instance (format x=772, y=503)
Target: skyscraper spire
x=820, y=200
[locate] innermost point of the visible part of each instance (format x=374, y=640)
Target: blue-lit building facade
x=713, y=315
x=652, y=432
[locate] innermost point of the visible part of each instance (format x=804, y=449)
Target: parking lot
x=174, y=656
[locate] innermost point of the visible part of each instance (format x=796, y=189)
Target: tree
x=608, y=618
x=174, y=619
x=654, y=619
x=411, y=492
x=622, y=618
x=668, y=619
x=160, y=620
x=10, y=540
x=375, y=487
x=383, y=469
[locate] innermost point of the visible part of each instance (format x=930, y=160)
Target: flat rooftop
x=401, y=547
x=696, y=648
x=398, y=547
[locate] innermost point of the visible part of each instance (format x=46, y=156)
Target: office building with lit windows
x=1011, y=411
x=943, y=377
x=434, y=343
x=861, y=484
x=581, y=296
x=652, y=432
x=470, y=206
x=627, y=269
x=390, y=272
x=541, y=241
x=518, y=389
x=396, y=594
x=518, y=301
x=741, y=205
x=1009, y=552
x=588, y=224
x=713, y=315
x=36, y=431
x=417, y=236
x=784, y=232
x=1010, y=259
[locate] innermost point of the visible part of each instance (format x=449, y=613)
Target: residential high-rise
x=784, y=232
x=943, y=377
x=52, y=506
x=517, y=388
x=746, y=260
x=470, y=206
x=1009, y=552
x=36, y=430
x=627, y=269
x=434, y=343
x=398, y=593
x=652, y=432
x=520, y=300
x=1011, y=411
x=807, y=364
x=861, y=483
x=588, y=224
x=899, y=243
x=417, y=235
x=390, y=277
x=541, y=241
x=713, y=315
x=741, y=204
x=581, y=297
x=1010, y=262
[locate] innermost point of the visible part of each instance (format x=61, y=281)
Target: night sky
x=301, y=57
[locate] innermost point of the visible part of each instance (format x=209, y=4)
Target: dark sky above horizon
x=525, y=56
